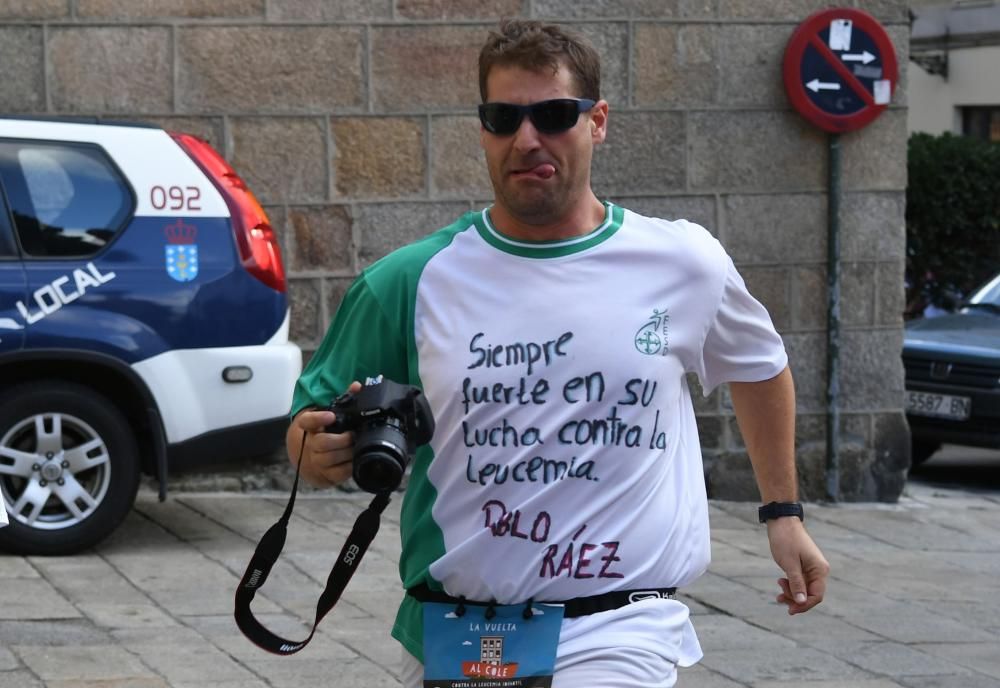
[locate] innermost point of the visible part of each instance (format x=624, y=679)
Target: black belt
x=578, y=606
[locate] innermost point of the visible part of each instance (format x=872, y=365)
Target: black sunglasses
x=549, y=116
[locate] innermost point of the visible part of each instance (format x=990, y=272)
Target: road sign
x=840, y=69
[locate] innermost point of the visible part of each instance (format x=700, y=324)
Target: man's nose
x=527, y=138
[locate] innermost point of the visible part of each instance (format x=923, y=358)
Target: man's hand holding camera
x=326, y=457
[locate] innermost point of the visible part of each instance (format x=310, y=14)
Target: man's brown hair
x=535, y=46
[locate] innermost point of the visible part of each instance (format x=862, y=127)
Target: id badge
x=505, y=651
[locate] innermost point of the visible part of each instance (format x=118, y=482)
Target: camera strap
x=267, y=553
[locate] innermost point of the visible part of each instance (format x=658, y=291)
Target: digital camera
x=389, y=422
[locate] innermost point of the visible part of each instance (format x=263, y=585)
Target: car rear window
x=67, y=200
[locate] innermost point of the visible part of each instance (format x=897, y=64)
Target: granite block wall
x=353, y=121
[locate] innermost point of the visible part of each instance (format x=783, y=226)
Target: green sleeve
x=362, y=342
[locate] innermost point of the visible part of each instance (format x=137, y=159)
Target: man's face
x=538, y=178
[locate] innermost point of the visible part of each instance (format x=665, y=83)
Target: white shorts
x=636, y=646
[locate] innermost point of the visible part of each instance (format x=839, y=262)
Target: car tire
x=921, y=450
x=69, y=468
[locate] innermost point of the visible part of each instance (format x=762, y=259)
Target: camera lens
x=380, y=457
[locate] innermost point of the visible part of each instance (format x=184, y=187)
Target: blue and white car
x=143, y=322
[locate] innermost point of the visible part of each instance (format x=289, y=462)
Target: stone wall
x=353, y=122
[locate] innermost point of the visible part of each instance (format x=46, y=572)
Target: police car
x=143, y=322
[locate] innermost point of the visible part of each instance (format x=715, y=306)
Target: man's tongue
x=544, y=170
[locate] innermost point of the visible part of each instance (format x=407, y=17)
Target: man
x=551, y=334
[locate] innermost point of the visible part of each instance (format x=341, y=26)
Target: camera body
x=389, y=421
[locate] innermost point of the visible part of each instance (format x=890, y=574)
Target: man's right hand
x=326, y=457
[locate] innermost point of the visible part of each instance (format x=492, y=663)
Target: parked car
x=143, y=322
x=953, y=375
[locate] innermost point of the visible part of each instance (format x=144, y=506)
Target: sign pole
x=839, y=73
x=833, y=322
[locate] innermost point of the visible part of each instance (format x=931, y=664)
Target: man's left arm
x=765, y=412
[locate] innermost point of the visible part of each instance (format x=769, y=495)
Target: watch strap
x=775, y=510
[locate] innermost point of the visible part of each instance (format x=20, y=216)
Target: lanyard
x=269, y=549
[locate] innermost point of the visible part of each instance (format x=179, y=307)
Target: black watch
x=779, y=509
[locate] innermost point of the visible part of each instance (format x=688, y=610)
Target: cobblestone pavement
x=914, y=599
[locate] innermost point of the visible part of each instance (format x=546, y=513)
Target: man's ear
x=599, y=121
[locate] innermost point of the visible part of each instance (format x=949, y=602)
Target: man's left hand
x=804, y=565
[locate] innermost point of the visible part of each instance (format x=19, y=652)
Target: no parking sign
x=840, y=69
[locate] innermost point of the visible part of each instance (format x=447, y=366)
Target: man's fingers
x=797, y=585
x=314, y=421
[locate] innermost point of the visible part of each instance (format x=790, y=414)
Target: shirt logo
x=651, y=339
x=181, y=251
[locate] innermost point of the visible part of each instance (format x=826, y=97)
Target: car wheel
x=921, y=450
x=69, y=468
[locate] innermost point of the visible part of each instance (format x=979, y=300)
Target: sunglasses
x=549, y=116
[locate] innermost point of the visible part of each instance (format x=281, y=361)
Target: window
x=982, y=122
x=66, y=199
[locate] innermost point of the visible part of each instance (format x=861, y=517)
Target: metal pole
x=833, y=323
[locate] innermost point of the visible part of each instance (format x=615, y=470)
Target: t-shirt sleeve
x=741, y=344
x=362, y=342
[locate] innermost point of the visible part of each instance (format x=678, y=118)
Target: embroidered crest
x=651, y=339
x=181, y=251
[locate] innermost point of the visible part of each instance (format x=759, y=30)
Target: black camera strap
x=267, y=553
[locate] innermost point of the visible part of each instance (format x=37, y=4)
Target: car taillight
x=257, y=244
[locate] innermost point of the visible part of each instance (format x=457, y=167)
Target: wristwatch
x=779, y=509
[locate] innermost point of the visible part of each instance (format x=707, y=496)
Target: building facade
x=955, y=69
x=354, y=122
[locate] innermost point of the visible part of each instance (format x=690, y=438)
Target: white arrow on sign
x=863, y=58
x=816, y=86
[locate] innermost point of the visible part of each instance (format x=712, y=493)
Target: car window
x=988, y=293
x=66, y=199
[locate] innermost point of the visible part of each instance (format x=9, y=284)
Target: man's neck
x=585, y=216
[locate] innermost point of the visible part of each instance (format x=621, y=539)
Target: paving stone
x=899, y=660
x=8, y=662
x=29, y=598
x=16, y=567
x=190, y=661
x=980, y=657
x=61, y=632
x=112, y=683
x=82, y=663
x=766, y=664
x=700, y=677
x=976, y=681
x=835, y=683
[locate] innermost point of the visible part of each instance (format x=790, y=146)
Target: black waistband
x=578, y=606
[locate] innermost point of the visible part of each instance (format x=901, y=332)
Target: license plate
x=938, y=405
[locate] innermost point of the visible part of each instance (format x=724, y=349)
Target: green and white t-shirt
x=566, y=460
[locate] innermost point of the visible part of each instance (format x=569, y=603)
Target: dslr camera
x=389, y=422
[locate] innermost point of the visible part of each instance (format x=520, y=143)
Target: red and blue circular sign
x=840, y=69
